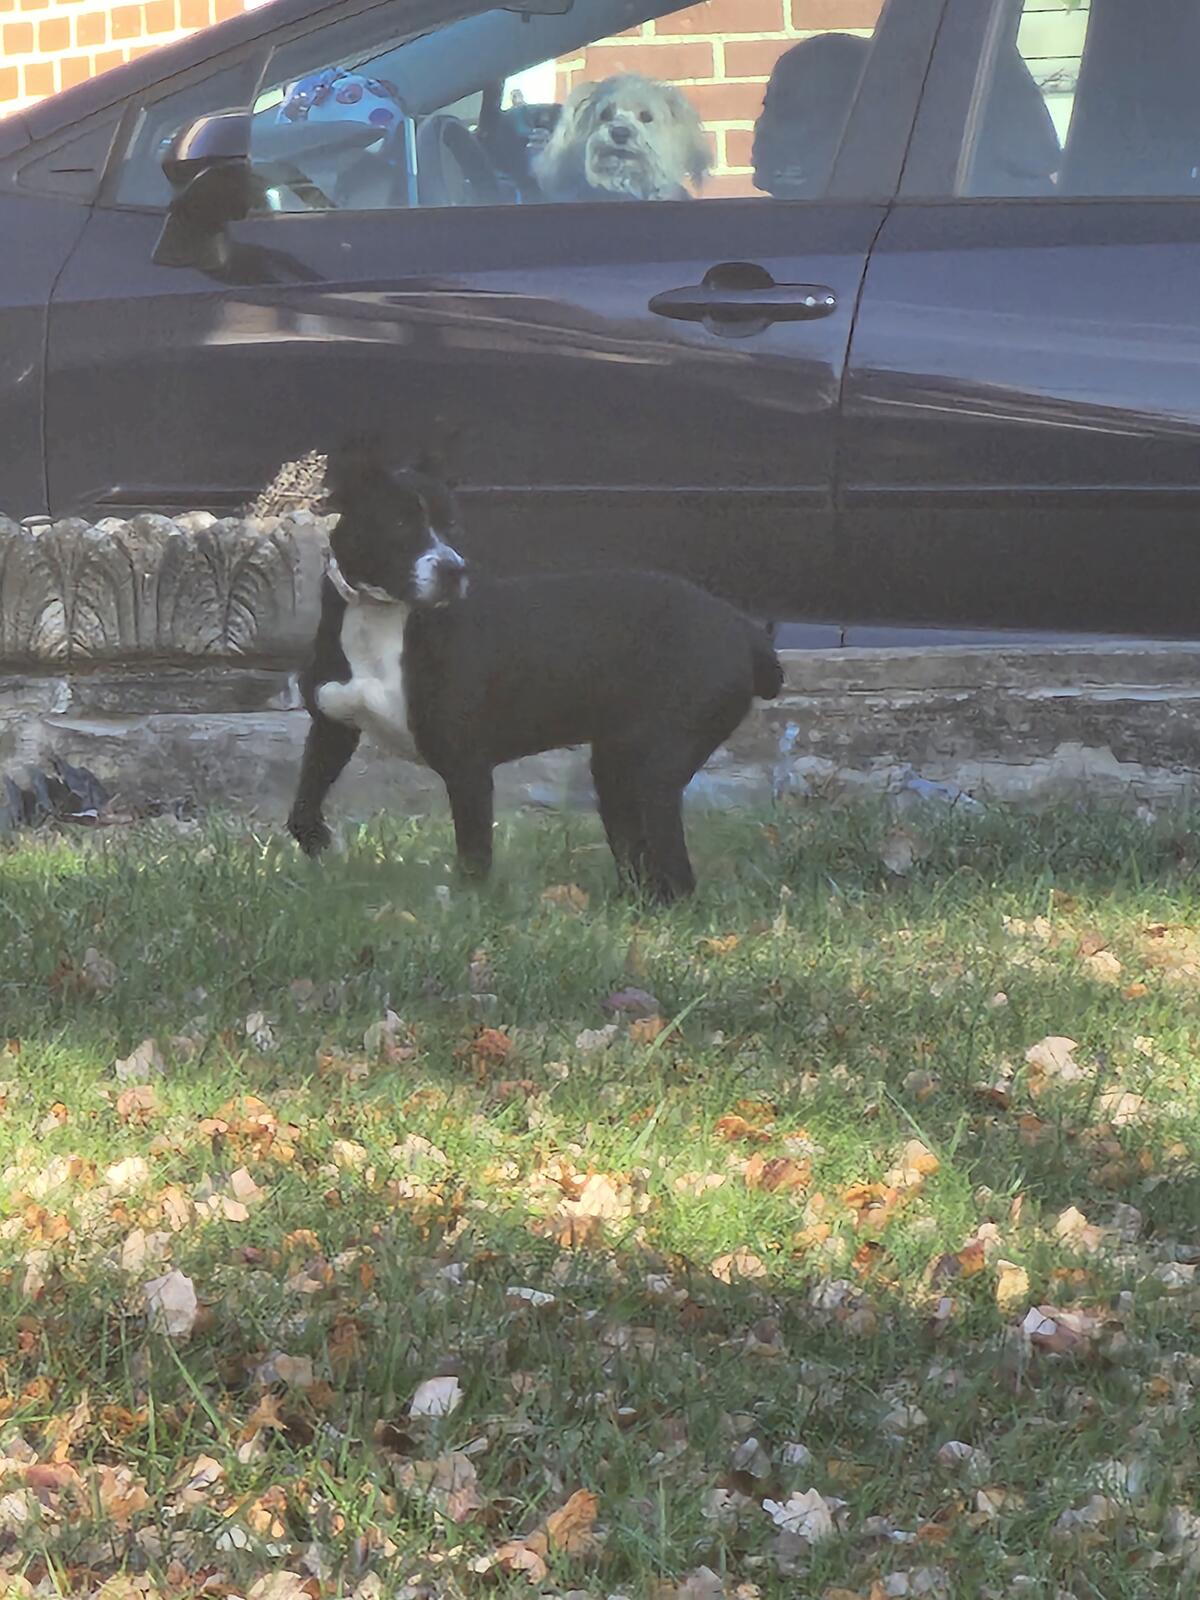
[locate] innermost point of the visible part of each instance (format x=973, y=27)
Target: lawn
x=833, y=1235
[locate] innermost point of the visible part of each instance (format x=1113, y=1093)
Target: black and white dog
x=649, y=670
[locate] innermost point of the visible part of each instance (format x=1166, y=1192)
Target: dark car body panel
x=40, y=235
x=590, y=429
x=1021, y=431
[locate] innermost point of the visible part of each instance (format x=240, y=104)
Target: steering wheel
x=453, y=169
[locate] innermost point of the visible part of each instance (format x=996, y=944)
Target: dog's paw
x=312, y=836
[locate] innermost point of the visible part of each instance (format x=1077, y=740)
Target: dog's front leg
x=470, y=792
x=327, y=749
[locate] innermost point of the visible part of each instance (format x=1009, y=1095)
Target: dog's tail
x=765, y=665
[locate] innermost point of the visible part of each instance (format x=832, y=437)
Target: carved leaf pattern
x=74, y=592
x=219, y=585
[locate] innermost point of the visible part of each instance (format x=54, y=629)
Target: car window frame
x=868, y=168
x=955, y=96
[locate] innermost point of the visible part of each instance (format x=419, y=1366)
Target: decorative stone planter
x=156, y=589
x=163, y=654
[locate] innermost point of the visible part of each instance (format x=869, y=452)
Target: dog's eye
x=608, y=114
x=645, y=116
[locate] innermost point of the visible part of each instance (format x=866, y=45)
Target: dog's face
x=394, y=539
x=631, y=136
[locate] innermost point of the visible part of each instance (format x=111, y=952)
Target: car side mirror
x=208, y=167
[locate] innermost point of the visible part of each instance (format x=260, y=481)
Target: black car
x=924, y=349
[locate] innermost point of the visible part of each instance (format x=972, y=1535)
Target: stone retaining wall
x=163, y=654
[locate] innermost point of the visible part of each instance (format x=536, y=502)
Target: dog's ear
x=579, y=111
x=356, y=471
x=697, y=149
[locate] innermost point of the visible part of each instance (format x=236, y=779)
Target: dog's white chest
x=373, y=700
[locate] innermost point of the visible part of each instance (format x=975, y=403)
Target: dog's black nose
x=620, y=134
x=451, y=576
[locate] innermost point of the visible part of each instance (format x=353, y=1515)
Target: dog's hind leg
x=617, y=799
x=327, y=749
x=470, y=792
x=663, y=777
x=667, y=869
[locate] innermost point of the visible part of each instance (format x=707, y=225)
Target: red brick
x=74, y=69
x=91, y=27
x=728, y=186
x=669, y=63
x=18, y=38
x=753, y=58
x=161, y=16
x=8, y=5
x=835, y=13
x=54, y=34
x=9, y=83
x=127, y=22
x=227, y=8
x=195, y=13
x=39, y=78
x=34, y=5
x=727, y=102
x=724, y=16
x=109, y=58
x=739, y=144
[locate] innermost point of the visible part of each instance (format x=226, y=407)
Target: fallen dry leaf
x=171, y=1305
x=1012, y=1286
x=436, y=1397
x=901, y=851
x=1071, y=1227
x=1051, y=1061
x=1103, y=966
x=97, y=972
x=736, y=1128
x=566, y=897
x=138, y=1104
x=572, y=1528
x=284, y=1585
x=451, y=1484
x=142, y=1064
x=777, y=1174
x=806, y=1515
x=1057, y=1331
x=740, y=1264
x=591, y=1040
x=644, y=1030
x=121, y=1493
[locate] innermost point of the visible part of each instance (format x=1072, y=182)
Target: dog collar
x=355, y=596
x=338, y=579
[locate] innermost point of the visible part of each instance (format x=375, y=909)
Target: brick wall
x=720, y=52
x=47, y=45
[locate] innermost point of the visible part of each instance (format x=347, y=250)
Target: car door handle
x=738, y=298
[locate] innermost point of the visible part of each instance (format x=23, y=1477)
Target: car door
x=614, y=400
x=1022, y=421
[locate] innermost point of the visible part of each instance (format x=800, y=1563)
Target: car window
x=615, y=100
x=1089, y=98
x=140, y=181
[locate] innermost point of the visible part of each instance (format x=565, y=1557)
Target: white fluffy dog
x=627, y=138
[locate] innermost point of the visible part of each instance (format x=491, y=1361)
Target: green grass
x=843, y=1013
